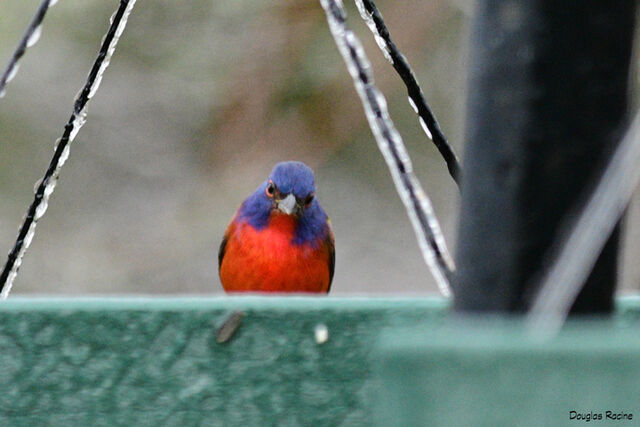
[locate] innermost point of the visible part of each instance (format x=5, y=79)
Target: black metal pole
x=548, y=103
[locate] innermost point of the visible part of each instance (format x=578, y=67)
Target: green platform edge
x=155, y=361
x=491, y=371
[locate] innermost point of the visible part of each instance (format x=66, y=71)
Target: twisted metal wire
x=30, y=37
x=580, y=243
x=45, y=187
x=373, y=18
x=416, y=201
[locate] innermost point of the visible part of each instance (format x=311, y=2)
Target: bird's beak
x=288, y=205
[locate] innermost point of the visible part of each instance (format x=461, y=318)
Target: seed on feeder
x=321, y=333
x=229, y=327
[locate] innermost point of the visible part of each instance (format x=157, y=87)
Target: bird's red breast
x=268, y=260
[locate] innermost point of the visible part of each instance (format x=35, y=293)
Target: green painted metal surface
x=490, y=372
x=137, y=362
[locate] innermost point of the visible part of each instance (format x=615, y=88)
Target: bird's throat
x=282, y=223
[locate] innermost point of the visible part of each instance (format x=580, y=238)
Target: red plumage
x=267, y=260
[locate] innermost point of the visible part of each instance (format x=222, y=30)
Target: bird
x=280, y=239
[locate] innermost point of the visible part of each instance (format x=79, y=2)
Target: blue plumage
x=289, y=178
x=293, y=177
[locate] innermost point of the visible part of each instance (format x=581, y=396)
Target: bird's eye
x=309, y=199
x=271, y=189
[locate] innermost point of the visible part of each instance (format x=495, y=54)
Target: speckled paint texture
x=139, y=362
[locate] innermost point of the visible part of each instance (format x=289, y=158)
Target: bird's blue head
x=289, y=190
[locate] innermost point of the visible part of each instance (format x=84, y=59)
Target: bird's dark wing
x=331, y=245
x=222, y=250
x=223, y=245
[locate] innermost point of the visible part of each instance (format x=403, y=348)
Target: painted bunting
x=280, y=239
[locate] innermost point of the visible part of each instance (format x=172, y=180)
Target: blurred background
x=198, y=104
